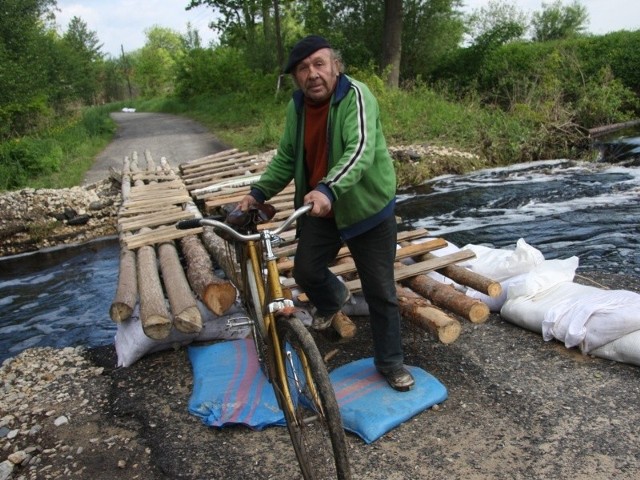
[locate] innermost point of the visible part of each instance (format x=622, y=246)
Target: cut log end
x=157, y=327
x=344, y=326
x=219, y=297
x=479, y=313
x=119, y=312
x=494, y=289
x=449, y=333
x=189, y=320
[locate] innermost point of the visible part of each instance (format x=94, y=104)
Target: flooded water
x=562, y=208
x=592, y=210
x=58, y=298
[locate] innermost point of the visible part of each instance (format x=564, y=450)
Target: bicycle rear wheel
x=315, y=425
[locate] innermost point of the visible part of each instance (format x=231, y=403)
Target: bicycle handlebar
x=209, y=222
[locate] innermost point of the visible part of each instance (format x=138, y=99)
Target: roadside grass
x=416, y=115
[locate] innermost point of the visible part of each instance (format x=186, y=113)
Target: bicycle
x=286, y=350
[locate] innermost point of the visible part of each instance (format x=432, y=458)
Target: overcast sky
x=123, y=22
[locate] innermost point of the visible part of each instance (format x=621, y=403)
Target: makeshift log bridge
x=165, y=270
x=224, y=178
x=153, y=200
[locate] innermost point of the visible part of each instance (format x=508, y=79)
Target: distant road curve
x=178, y=139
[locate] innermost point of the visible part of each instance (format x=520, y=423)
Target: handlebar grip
x=187, y=224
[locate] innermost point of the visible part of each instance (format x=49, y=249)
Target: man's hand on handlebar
x=246, y=203
x=321, y=204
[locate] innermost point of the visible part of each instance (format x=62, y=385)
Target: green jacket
x=361, y=181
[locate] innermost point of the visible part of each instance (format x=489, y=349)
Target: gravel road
x=518, y=407
x=178, y=139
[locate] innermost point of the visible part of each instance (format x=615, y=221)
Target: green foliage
x=496, y=16
x=58, y=156
x=156, y=63
x=220, y=71
x=24, y=158
x=606, y=101
x=557, y=21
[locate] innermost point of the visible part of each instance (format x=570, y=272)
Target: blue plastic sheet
x=230, y=388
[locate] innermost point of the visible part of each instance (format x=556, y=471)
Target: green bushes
x=58, y=156
x=586, y=81
x=24, y=158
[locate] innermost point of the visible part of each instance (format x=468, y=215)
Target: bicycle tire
x=318, y=438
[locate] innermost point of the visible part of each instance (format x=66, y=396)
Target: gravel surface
x=518, y=408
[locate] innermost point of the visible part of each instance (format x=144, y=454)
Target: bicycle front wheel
x=315, y=424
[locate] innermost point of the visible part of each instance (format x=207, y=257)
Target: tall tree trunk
x=279, y=48
x=392, y=41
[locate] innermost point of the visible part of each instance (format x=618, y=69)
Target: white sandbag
x=500, y=264
x=528, y=312
x=131, y=343
x=625, y=349
x=592, y=317
x=543, y=276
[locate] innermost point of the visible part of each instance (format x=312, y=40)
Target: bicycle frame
x=277, y=304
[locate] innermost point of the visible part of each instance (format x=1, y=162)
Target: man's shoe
x=322, y=322
x=399, y=378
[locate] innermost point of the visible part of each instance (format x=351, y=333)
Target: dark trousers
x=374, y=255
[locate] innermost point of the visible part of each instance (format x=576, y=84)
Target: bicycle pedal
x=239, y=322
x=278, y=305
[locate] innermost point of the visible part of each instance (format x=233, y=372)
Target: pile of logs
x=158, y=259
x=154, y=199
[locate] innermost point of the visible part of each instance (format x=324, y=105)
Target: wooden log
x=447, y=297
x=217, y=294
x=220, y=251
x=126, y=295
x=186, y=316
x=427, y=317
x=464, y=276
x=154, y=315
x=344, y=326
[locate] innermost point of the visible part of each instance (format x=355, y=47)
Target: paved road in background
x=178, y=139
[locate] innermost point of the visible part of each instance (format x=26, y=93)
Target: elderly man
x=334, y=150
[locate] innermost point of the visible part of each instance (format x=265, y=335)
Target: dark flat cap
x=303, y=49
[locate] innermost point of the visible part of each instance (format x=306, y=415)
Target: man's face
x=317, y=75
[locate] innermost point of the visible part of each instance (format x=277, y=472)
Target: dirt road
x=518, y=407
x=178, y=139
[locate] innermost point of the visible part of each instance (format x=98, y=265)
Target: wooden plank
x=231, y=165
x=407, y=271
x=238, y=182
x=199, y=161
x=211, y=159
x=159, y=235
x=155, y=220
x=213, y=201
x=344, y=268
x=168, y=198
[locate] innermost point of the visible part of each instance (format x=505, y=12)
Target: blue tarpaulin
x=230, y=388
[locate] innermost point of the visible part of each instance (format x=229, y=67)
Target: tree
x=431, y=30
x=247, y=25
x=83, y=60
x=497, y=16
x=27, y=56
x=392, y=41
x=557, y=21
x=155, y=63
